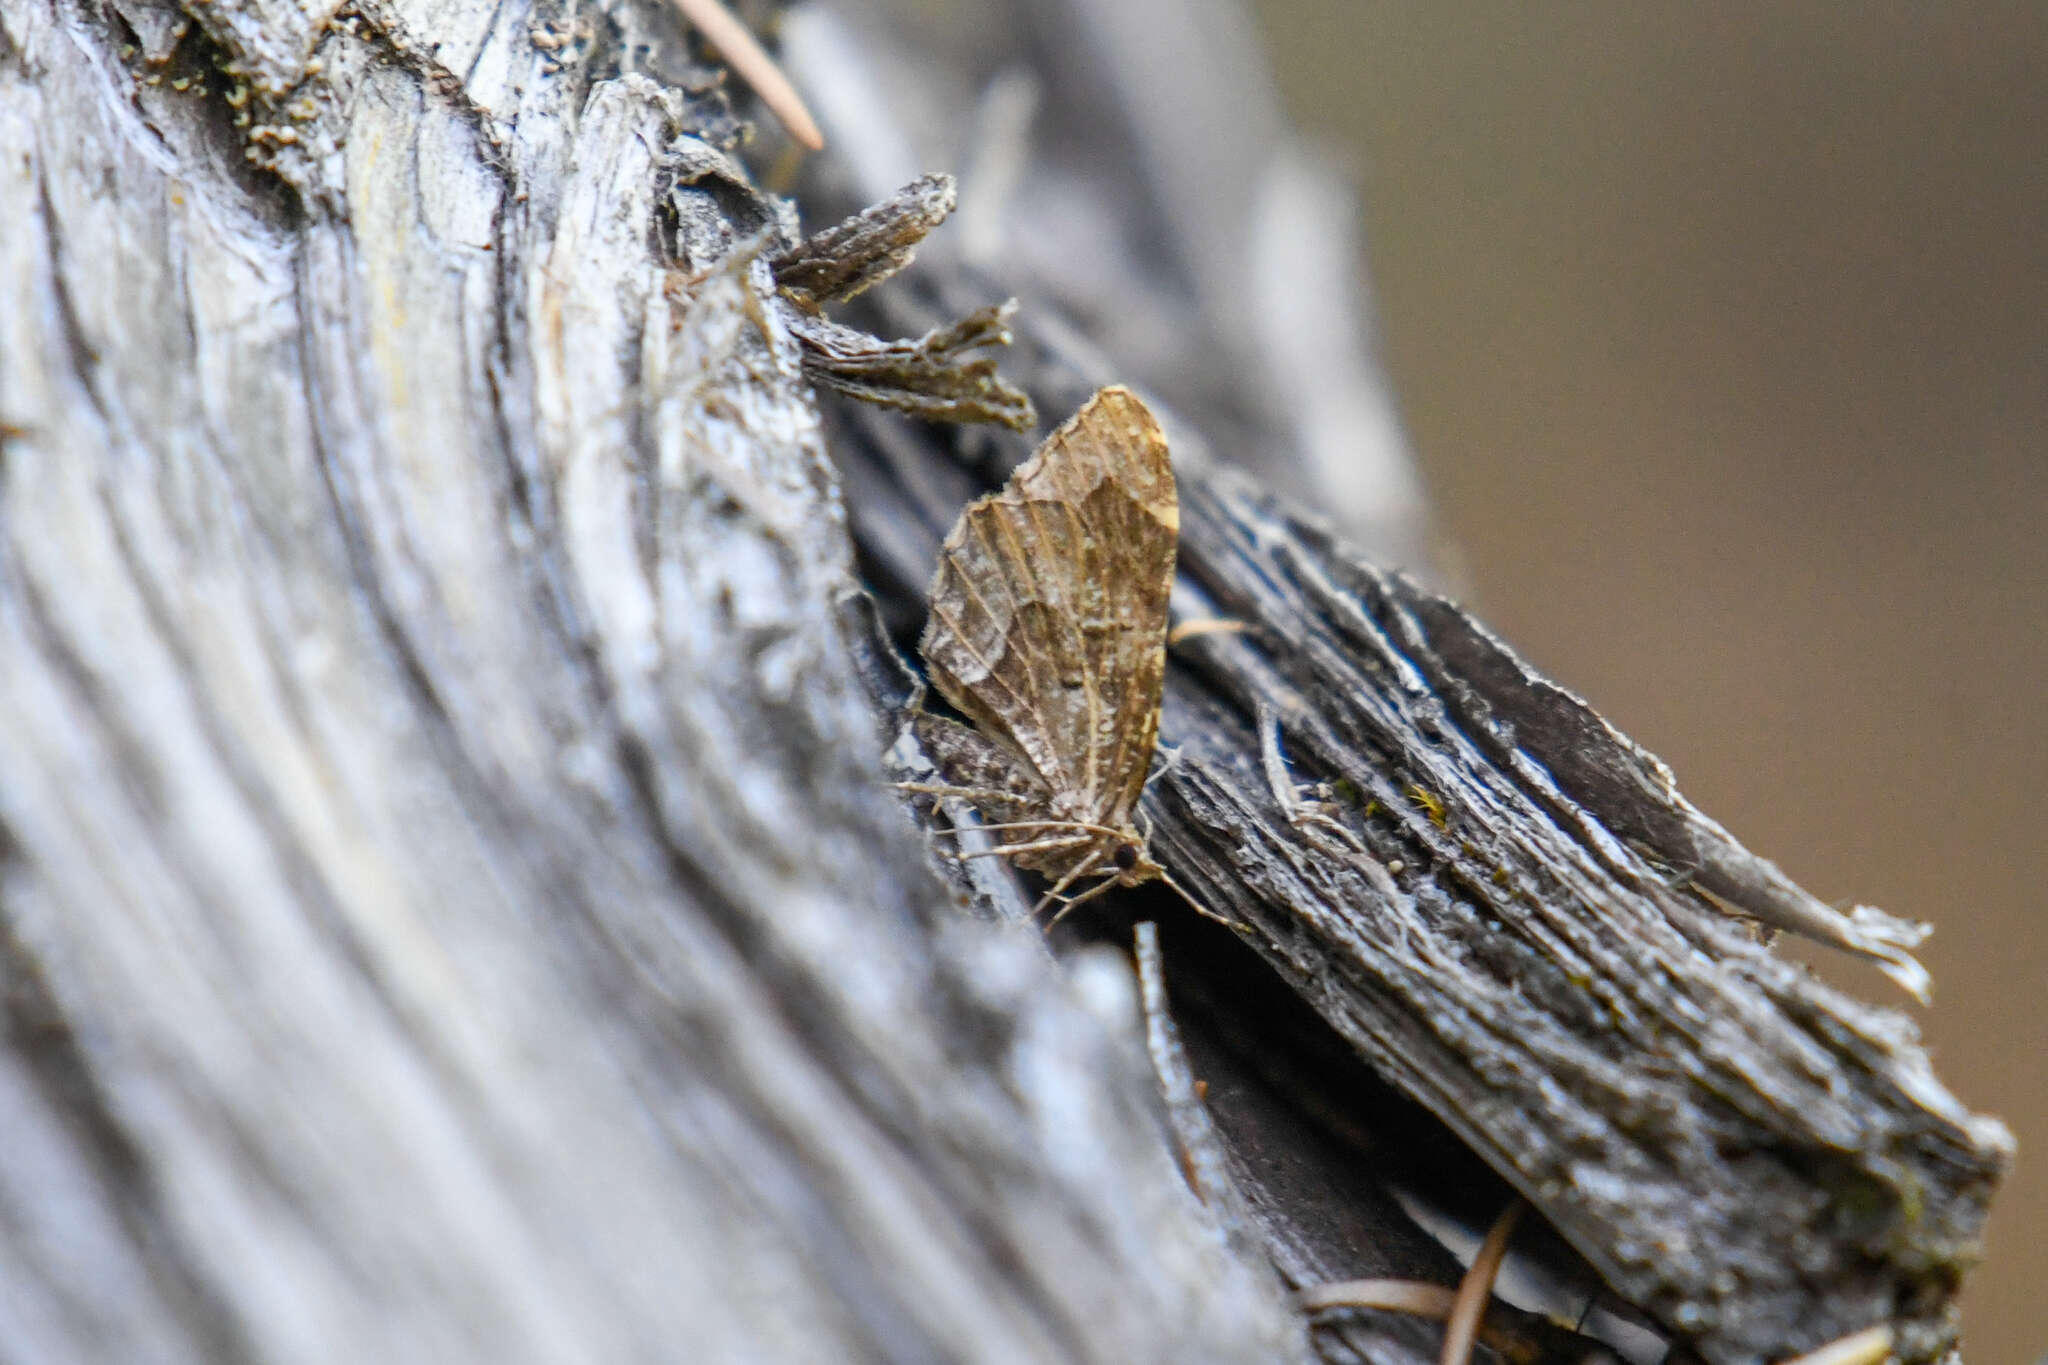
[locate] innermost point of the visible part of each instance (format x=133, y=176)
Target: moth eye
x=1125, y=857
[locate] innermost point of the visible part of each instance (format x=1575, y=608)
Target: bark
x=448, y=903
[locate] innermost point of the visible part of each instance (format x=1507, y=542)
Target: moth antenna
x=1235, y=926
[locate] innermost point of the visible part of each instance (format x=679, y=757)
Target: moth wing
x=995, y=778
x=1048, y=624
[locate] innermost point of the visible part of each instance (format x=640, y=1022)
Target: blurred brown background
x=1722, y=334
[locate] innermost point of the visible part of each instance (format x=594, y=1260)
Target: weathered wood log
x=1760, y=1163
x=449, y=905
x=1510, y=912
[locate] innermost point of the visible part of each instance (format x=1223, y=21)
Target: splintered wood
x=1048, y=631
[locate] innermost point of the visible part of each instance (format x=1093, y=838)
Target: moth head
x=1133, y=865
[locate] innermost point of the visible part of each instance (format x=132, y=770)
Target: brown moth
x=1048, y=631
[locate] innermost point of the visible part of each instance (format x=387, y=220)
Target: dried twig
x=751, y=63
x=1867, y=1347
x=1477, y=1287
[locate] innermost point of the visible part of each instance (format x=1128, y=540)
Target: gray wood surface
x=450, y=909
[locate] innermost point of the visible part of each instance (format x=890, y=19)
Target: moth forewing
x=1048, y=631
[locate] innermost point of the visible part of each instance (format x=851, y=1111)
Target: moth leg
x=1205, y=625
x=1090, y=894
x=1078, y=871
x=964, y=793
x=1050, y=845
x=965, y=757
x=1077, y=826
x=1169, y=760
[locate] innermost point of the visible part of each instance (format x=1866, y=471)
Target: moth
x=1048, y=631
